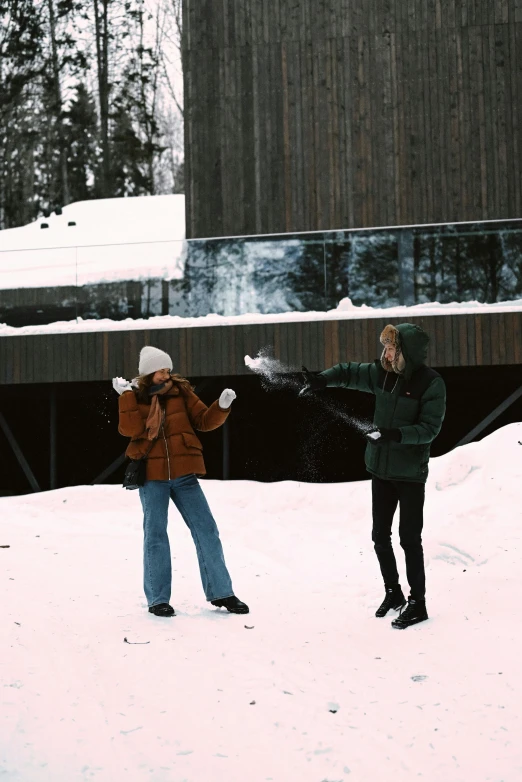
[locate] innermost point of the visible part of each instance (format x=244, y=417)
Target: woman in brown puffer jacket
x=159, y=411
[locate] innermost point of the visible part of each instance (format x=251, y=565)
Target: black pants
x=386, y=495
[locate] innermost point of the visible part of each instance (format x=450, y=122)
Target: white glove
x=226, y=398
x=120, y=385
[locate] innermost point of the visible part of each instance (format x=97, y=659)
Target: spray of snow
x=267, y=366
x=361, y=425
x=276, y=376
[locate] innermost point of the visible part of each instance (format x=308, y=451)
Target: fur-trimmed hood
x=409, y=340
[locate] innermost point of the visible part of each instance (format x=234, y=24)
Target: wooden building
x=482, y=339
x=325, y=114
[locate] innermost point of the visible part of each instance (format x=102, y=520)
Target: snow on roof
x=106, y=220
x=112, y=239
x=345, y=311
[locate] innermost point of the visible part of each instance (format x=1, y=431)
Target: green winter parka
x=414, y=403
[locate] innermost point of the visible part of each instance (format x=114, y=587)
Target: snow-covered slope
x=309, y=686
x=111, y=240
x=112, y=220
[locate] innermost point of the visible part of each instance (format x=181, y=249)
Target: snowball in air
x=253, y=363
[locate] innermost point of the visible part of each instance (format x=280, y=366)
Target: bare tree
x=57, y=102
x=149, y=73
x=169, y=168
x=102, y=35
x=169, y=174
x=171, y=59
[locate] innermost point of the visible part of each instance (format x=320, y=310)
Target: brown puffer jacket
x=177, y=451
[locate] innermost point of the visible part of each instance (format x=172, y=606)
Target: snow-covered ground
x=309, y=686
x=344, y=311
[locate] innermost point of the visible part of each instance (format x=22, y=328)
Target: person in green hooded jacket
x=410, y=403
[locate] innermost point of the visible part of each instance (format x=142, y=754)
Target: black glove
x=387, y=436
x=313, y=381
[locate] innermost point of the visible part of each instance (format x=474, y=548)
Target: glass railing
x=380, y=267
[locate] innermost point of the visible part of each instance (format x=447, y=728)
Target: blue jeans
x=188, y=497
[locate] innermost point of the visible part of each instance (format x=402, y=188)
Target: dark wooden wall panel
x=456, y=341
x=321, y=115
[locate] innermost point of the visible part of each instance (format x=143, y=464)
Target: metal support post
x=226, y=451
x=52, y=438
x=109, y=470
x=491, y=417
x=19, y=455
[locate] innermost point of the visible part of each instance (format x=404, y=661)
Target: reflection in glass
x=471, y=262
x=264, y=274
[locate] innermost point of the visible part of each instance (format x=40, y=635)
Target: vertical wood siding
x=456, y=341
x=320, y=115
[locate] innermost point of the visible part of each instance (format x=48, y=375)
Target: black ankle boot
x=162, y=609
x=394, y=599
x=232, y=604
x=413, y=613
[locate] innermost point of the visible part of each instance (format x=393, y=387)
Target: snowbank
x=309, y=686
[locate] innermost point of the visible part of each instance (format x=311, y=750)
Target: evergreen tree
x=138, y=96
x=374, y=269
x=128, y=174
x=103, y=36
x=21, y=41
x=82, y=144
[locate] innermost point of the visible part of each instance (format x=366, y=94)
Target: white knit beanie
x=153, y=359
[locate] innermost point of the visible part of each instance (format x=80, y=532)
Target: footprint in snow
x=458, y=550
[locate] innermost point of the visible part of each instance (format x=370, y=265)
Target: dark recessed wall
x=273, y=435
x=324, y=114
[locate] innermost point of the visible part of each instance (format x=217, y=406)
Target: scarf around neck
x=155, y=416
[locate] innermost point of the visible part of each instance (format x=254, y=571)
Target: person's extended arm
x=353, y=375
x=206, y=418
x=131, y=423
